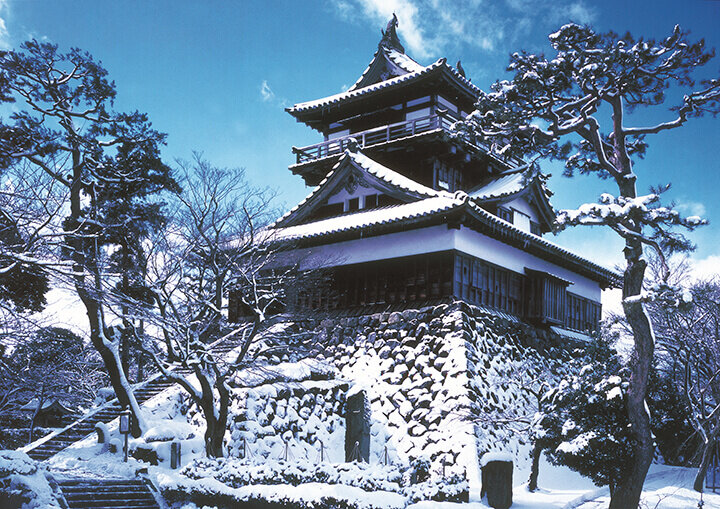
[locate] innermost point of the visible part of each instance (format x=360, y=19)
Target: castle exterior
x=404, y=213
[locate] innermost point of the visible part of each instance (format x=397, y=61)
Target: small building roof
x=47, y=406
x=518, y=182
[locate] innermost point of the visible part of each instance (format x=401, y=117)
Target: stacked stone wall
x=440, y=380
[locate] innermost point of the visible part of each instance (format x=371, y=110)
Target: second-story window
x=535, y=228
x=506, y=214
x=447, y=178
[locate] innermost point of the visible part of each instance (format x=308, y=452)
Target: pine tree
x=66, y=130
x=555, y=107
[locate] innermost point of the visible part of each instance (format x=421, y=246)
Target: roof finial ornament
x=460, y=69
x=390, y=38
x=352, y=145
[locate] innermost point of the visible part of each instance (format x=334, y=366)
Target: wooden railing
x=375, y=136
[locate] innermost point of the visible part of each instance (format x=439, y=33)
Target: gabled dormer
x=519, y=197
x=355, y=183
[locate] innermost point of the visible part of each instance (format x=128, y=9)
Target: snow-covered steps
x=85, y=426
x=47, y=447
x=107, y=493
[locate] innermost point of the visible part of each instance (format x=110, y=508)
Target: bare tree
x=212, y=247
x=689, y=349
x=554, y=106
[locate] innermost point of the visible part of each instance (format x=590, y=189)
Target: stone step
x=107, y=494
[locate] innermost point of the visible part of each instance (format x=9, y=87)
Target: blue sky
x=216, y=76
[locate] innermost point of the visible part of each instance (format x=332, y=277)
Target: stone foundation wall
x=440, y=380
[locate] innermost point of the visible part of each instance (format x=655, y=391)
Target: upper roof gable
x=389, y=60
x=390, y=68
x=354, y=169
x=386, y=64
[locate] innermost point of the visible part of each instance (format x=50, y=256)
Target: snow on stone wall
x=300, y=416
x=439, y=380
x=441, y=383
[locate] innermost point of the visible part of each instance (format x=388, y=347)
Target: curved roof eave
x=351, y=95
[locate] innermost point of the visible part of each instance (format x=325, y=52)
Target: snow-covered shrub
x=23, y=483
x=372, y=478
x=676, y=439
x=584, y=422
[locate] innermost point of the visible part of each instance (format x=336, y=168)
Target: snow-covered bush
x=584, y=422
x=23, y=483
x=373, y=478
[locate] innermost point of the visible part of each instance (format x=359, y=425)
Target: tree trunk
x=141, y=355
x=534, y=467
x=41, y=402
x=629, y=489
x=215, y=417
x=708, y=450
x=124, y=337
x=109, y=351
x=85, y=258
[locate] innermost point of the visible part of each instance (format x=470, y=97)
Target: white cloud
x=578, y=12
x=266, y=92
x=691, y=208
x=705, y=268
x=429, y=28
x=4, y=34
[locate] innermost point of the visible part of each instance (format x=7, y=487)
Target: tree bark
x=215, y=412
x=85, y=260
x=708, y=450
x=534, y=467
x=628, y=491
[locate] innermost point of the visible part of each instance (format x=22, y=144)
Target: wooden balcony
x=375, y=136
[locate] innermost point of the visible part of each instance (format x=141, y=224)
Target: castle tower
x=404, y=213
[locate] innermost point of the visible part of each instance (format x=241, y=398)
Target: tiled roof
x=367, y=218
x=500, y=187
x=353, y=93
x=374, y=168
x=390, y=176
x=401, y=60
x=424, y=209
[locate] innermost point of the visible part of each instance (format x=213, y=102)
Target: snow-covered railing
x=374, y=136
x=442, y=119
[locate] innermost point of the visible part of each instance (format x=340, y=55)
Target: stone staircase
x=81, y=428
x=107, y=493
x=86, y=425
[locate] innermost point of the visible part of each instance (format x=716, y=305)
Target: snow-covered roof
x=431, y=207
x=570, y=333
x=510, y=184
x=500, y=187
x=353, y=157
x=367, y=218
x=53, y=404
x=438, y=66
x=399, y=62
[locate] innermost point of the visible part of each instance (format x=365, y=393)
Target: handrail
x=443, y=119
x=373, y=136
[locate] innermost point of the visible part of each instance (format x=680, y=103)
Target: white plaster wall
x=424, y=240
x=440, y=238
x=522, y=205
x=494, y=251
